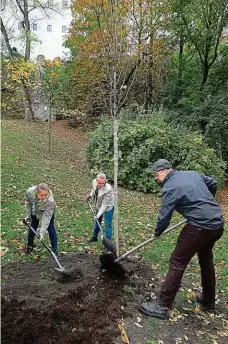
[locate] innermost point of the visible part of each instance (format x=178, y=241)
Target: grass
x=26, y=162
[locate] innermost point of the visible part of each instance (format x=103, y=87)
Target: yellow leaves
x=222, y=333
x=197, y=309
x=3, y=251
x=191, y=294
x=123, y=334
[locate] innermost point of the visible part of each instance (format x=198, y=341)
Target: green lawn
x=25, y=162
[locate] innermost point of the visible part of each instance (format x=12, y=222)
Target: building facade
x=49, y=24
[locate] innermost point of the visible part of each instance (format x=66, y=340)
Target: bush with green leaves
x=209, y=118
x=141, y=142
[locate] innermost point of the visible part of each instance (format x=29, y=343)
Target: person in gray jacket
x=39, y=206
x=102, y=194
x=192, y=195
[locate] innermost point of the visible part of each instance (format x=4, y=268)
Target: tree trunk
x=29, y=115
x=205, y=73
x=150, y=85
x=115, y=138
x=49, y=126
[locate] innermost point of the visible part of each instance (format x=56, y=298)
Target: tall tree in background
x=205, y=22
x=24, y=9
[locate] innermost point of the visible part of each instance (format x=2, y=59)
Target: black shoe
x=153, y=309
x=93, y=239
x=28, y=249
x=206, y=306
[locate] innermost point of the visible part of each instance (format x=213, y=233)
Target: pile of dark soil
x=41, y=307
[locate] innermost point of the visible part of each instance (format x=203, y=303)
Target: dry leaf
x=138, y=325
x=222, y=334
x=123, y=334
x=3, y=251
x=197, y=309
x=225, y=324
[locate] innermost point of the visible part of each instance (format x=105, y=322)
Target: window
x=64, y=29
x=34, y=27
x=49, y=28
x=64, y=5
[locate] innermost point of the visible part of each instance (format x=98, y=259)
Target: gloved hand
x=28, y=220
x=88, y=198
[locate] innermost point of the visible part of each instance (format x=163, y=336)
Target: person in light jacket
x=39, y=206
x=102, y=194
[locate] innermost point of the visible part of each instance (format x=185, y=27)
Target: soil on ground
x=85, y=306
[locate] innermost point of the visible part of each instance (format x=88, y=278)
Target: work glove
x=88, y=198
x=28, y=220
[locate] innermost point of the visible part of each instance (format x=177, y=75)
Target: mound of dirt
x=86, y=306
x=40, y=307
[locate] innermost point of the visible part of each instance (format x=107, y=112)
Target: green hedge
x=141, y=142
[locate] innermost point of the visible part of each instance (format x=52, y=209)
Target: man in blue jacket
x=193, y=196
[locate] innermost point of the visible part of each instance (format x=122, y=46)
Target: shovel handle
x=98, y=223
x=148, y=241
x=45, y=245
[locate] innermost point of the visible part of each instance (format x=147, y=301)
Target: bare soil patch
x=38, y=306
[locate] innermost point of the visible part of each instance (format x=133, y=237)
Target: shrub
x=210, y=118
x=141, y=142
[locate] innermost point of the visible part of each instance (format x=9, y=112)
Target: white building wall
x=47, y=43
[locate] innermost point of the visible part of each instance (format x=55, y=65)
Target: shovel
x=105, y=241
x=110, y=259
x=60, y=268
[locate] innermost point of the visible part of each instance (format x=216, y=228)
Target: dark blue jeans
x=51, y=232
x=108, y=215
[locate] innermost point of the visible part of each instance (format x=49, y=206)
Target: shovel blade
x=107, y=258
x=109, y=245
